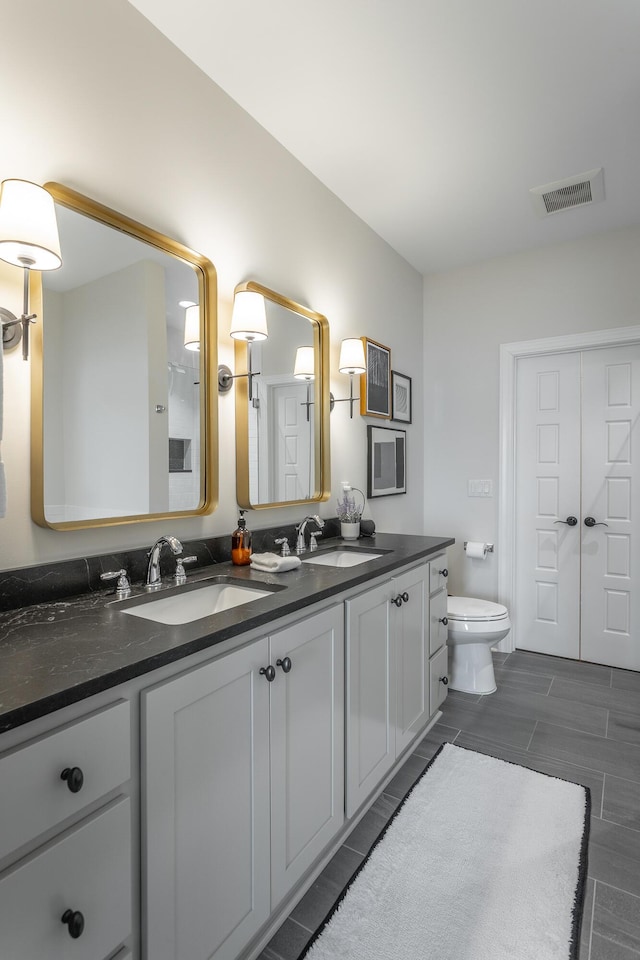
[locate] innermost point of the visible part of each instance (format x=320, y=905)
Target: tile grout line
x=593, y=913
x=604, y=787
x=298, y=924
x=531, y=737
x=603, y=883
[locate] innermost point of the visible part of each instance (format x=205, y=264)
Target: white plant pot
x=349, y=531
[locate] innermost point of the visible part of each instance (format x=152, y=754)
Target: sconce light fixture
x=192, y=327
x=352, y=361
x=304, y=369
x=28, y=239
x=248, y=322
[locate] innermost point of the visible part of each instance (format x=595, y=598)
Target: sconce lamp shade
x=28, y=228
x=304, y=368
x=192, y=327
x=249, y=319
x=352, y=357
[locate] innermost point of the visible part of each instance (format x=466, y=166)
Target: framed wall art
x=375, y=384
x=386, y=461
x=400, y=397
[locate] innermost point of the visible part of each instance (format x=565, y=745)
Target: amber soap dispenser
x=241, y=543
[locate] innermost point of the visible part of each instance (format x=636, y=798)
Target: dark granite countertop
x=56, y=653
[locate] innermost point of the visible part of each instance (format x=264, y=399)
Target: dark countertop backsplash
x=48, y=582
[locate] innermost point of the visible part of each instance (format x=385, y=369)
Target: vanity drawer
x=438, y=669
x=36, y=798
x=437, y=616
x=88, y=870
x=438, y=573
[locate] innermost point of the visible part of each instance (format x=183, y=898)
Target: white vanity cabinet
x=388, y=680
x=438, y=675
x=242, y=787
x=65, y=841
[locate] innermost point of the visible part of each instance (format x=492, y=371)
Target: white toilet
x=474, y=627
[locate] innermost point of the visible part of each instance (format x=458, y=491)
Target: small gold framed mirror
x=282, y=406
x=124, y=418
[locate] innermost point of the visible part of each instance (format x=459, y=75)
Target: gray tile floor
x=578, y=721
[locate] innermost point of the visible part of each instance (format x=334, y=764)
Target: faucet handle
x=285, y=546
x=123, y=587
x=312, y=544
x=181, y=574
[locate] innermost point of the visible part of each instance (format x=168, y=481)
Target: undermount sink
x=342, y=558
x=196, y=602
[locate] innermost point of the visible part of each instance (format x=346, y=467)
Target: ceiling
x=432, y=119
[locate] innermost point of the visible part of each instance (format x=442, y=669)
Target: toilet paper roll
x=476, y=549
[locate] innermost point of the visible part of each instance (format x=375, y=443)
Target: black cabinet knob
x=397, y=600
x=74, y=921
x=405, y=597
x=444, y=573
x=444, y=620
x=445, y=681
x=74, y=778
x=285, y=663
x=268, y=672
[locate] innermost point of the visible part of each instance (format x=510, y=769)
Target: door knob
x=445, y=681
x=285, y=664
x=590, y=522
x=444, y=620
x=570, y=521
x=397, y=600
x=268, y=672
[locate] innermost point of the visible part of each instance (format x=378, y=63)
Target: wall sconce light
x=192, y=327
x=352, y=361
x=28, y=239
x=248, y=322
x=304, y=369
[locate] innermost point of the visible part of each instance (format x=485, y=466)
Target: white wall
x=591, y=284
x=107, y=106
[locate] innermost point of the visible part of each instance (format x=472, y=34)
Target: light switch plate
x=480, y=488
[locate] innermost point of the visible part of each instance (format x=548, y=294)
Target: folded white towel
x=272, y=563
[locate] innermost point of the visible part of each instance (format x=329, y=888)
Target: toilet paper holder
x=489, y=546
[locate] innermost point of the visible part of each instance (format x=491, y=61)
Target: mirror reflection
x=123, y=407
x=282, y=429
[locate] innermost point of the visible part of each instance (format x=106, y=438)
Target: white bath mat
x=484, y=860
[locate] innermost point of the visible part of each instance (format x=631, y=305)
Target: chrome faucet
x=154, y=580
x=300, y=544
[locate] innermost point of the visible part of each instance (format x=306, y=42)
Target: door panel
x=578, y=435
x=547, y=603
x=610, y=486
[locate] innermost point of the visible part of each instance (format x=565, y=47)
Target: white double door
x=578, y=505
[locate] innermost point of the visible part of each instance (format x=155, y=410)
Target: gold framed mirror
x=282, y=433
x=124, y=419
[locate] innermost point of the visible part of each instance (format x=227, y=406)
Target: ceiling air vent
x=566, y=194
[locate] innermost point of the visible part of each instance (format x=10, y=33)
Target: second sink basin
x=342, y=558
x=195, y=603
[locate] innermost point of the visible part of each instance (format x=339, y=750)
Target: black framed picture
x=375, y=384
x=400, y=397
x=386, y=461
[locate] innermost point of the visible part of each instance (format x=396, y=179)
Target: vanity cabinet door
x=438, y=678
x=307, y=745
x=206, y=796
x=409, y=621
x=371, y=694
x=437, y=625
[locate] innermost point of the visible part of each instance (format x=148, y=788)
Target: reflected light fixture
x=248, y=322
x=304, y=369
x=28, y=239
x=352, y=361
x=192, y=327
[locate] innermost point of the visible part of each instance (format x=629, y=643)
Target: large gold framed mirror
x=124, y=418
x=282, y=430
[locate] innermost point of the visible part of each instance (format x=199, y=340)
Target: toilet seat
x=469, y=609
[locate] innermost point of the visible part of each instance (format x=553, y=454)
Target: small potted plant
x=350, y=512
